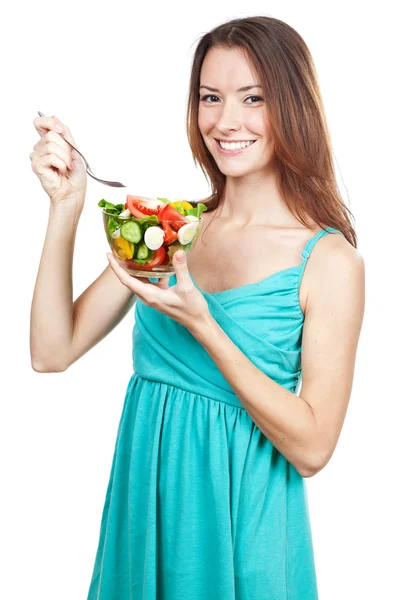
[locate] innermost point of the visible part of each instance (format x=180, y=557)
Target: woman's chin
x=237, y=171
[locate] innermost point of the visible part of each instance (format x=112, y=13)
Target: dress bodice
x=263, y=319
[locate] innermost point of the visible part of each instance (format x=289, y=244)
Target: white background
x=117, y=74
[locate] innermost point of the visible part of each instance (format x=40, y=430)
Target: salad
x=145, y=233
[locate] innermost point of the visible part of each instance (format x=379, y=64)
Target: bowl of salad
x=144, y=233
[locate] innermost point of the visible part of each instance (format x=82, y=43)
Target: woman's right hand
x=59, y=168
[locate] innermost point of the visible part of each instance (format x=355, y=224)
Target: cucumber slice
x=142, y=251
x=131, y=232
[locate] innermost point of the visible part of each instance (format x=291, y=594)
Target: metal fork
x=88, y=169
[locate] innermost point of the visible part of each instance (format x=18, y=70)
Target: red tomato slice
x=144, y=206
x=169, y=213
x=170, y=235
x=136, y=213
x=158, y=258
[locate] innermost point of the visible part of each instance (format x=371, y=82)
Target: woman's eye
x=257, y=98
x=208, y=96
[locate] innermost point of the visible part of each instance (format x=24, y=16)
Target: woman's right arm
x=61, y=330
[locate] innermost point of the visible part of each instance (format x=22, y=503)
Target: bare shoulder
x=335, y=267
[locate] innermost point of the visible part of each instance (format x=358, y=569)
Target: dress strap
x=310, y=245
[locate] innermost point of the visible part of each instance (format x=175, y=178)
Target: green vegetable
x=152, y=219
x=109, y=207
x=196, y=212
x=148, y=221
x=112, y=225
x=164, y=200
x=179, y=207
x=130, y=230
x=144, y=262
x=142, y=252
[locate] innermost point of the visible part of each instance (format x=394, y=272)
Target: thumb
x=180, y=266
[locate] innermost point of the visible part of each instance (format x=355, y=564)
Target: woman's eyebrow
x=242, y=89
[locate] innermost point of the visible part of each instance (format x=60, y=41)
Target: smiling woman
x=206, y=497
x=243, y=361
x=287, y=120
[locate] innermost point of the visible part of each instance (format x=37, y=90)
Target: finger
x=40, y=164
x=146, y=291
x=67, y=134
x=53, y=147
x=54, y=138
x=45, y=124
x=183, y=279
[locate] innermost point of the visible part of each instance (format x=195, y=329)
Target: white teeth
x=236, y=146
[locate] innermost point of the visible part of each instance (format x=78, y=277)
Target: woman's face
x=231, y=115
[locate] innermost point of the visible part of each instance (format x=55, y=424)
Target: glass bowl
x=136, y=250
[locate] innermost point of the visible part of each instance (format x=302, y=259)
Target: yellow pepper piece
x=181, y=206
x=123, y=248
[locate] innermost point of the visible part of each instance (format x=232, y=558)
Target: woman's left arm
x=306, y=428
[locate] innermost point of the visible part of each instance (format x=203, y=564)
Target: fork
x=88, y=169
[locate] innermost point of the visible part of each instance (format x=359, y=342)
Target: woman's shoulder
x=333, y=260
x=334, y=263
x=335, y=244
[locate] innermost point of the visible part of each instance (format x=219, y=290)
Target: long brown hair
x=303, y=153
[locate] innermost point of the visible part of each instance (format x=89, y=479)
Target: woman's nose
x=230, y=118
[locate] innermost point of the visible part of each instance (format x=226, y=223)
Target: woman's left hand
x=182, y=302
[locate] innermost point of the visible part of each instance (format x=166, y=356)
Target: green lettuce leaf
x=152, y=219
x=112, y=225
x=109, y=207
x=196, y=212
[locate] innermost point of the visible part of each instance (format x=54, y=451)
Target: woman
x=206, y=497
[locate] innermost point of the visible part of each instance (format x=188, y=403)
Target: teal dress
x=200, y=505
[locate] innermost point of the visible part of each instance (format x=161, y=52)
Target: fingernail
x=180, y=256
x=58, y=128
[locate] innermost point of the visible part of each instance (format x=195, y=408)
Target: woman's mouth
x=229, y=151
